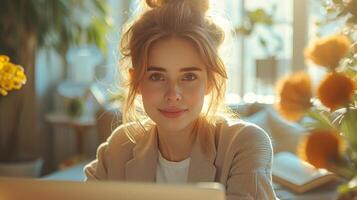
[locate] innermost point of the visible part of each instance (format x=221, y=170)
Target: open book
x=298, y=175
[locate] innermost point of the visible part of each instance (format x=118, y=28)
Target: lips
x=172, y=112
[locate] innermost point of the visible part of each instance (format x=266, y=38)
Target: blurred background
x=69, y=52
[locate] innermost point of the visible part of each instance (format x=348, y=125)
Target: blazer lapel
x=202, y=167
x=143, y=165
x=145, y=154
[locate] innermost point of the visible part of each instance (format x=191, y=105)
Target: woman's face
x=174, y=84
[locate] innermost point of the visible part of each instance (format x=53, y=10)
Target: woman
x=172, y=64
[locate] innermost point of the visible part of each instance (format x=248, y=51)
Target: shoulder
x=248, y=144
x=124, y=137
x=243, y=135
x=240, y=128
x=130, y=132
x=112, y=155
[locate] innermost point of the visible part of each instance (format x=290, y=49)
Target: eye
x=156, y=77
x=189, y=77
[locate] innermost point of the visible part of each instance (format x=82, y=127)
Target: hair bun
x=155, y=3
x=200, y=5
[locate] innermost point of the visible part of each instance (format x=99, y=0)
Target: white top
x=172, y=172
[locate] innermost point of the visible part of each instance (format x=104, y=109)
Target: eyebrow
x=154, y=68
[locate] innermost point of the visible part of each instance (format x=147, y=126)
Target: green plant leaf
x=349, y=127
x=55, y=21
x=260, y=16
x=337, y=1
x=348, y=188
x=243, y=30
x=342, y=13
x=320, y=121
x=262, y=42
x=101, y=6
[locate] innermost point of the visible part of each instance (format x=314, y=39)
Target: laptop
x=19, y=189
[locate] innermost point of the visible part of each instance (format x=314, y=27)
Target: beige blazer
x=240, y=158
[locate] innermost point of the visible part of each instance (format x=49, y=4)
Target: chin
x=173, y=125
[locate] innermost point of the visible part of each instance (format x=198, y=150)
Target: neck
x=176, y=146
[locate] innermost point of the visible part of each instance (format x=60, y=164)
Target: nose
x=173, y=92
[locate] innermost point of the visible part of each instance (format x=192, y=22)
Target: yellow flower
x=335, y=90
x=6, y=84
x=328, y=51
x=4, y=58
x=20, y=73
x=3, y=92
x=8, y=69
x=12, y=76
x=295, y=93
x=319, y=148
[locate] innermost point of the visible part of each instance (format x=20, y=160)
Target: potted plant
x=27, y=26
x=271, y=42
x=332, y=141
x=12, y=77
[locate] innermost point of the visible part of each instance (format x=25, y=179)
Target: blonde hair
x=172, y=18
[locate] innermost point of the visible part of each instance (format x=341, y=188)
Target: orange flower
x=319, y=148
x=295, y=93
x=328, y=51
x=335, y=90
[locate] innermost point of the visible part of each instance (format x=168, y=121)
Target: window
x=244, y=81
x=242, y=63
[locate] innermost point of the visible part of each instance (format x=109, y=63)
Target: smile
x=172, y=113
